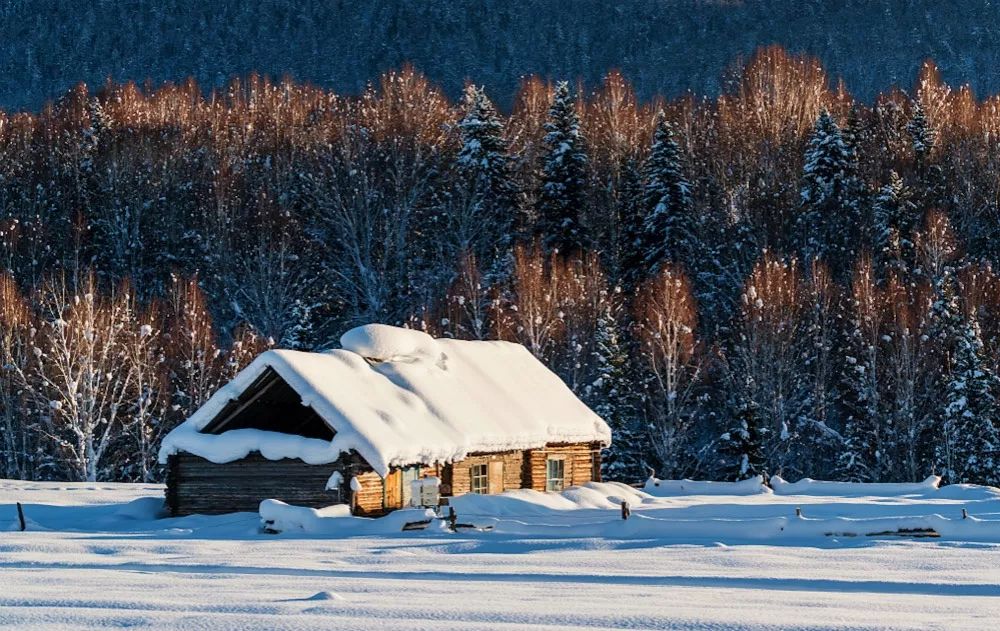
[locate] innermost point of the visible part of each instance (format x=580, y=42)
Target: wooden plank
x=394, y=490
x=495, y=483
x=459, y=474
x=369, y=500
x=196, y=485
x=579, y=464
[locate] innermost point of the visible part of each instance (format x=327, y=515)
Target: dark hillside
x=662, y=46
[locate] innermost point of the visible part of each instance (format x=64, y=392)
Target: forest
x=780, y=279
x=666, y=47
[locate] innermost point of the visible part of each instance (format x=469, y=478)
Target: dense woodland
x=663, y=46
x=781, y=279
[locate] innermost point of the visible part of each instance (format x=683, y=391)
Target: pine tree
x=967, y=450
x=922, y=135
x=484, y=150
x=612, y=397
x=862, y=455
x=741, y=447
x=630, y=218
x=484, y=169
x=562, y=198
x=827, y=163
x=895, y=217
x=828, y=225
x=668, y=231
x=944, y=319
x=931, y=188
x=868, y=433
x=854, y=134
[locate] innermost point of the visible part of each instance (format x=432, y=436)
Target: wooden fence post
x=626, y=511
x=452, y=518
x=798, y=511
x=965, y=514
x=20, y=517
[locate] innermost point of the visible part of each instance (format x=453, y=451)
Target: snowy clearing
x=96, y=556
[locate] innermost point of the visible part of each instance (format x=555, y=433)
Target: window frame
x=479, y=479
x=555, y=484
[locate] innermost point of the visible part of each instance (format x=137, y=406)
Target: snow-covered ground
x=96, y=556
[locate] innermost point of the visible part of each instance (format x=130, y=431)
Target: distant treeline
x=664, y=46
x=780, y=279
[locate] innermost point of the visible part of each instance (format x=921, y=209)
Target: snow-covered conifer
x=489, y=218
x=669, y=230
x=869, y=434
x=562, y=199
x=895, y=217
x=968, y=448
x=631, y=218
x=613, y=397
x=827, y=163
x=828, y=226
x=741, y=447
x=922, y=135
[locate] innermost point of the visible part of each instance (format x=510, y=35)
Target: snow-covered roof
x=397, y=397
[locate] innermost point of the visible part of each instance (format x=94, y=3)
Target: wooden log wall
x=579, y=468
x=460, y=478
x=196, y=485
x=368, y=501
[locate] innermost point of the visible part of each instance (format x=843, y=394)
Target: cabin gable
x=270, y=404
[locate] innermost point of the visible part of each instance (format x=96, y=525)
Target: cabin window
x=555, y=473
x=480, y=478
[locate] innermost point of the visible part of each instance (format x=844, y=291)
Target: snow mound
x=671, y=488
x=389, y=343
x=143, y=508
x=968, y=493
x=280, y=516
x=335, y=520
x=527, y=502
x=325, y=596
x=808, y=486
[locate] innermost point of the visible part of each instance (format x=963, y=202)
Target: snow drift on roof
x=388, y=343
x=425, y=400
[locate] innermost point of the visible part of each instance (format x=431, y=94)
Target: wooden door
x=406, y=477
x=393, y=490
x=495, y=477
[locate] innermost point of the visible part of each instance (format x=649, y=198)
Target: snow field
x=98, y=556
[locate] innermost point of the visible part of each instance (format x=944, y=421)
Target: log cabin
x=357, y=425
